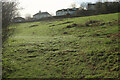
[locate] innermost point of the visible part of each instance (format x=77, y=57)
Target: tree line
x=100, y=8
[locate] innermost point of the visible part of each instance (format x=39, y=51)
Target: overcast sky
x=34, y=6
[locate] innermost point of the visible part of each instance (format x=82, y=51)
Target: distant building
x=41, y=15
x=91, y=6
x=18, y=19
x=70, y=11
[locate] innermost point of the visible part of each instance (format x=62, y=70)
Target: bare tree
x=73, y=5
x=83, y=5
x=9, y=11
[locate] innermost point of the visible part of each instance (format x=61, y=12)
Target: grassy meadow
x=80, y=47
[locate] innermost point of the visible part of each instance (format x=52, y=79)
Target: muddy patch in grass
x=31, y=51
x=33, y=26
x=65, y=33
x=51, y=25
x=96, y=34
x=65, y=52
x=54, y=49
x=91, y=23
x=81, y=36
x=114, y=22
x=70, y=26
x=65, y=22
x=87, y=24
x=94, y=23
x=62, y=23
x=114, y=36
x=33, y=56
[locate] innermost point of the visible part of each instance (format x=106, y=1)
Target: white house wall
x=61, y=13
x=39, y=16
x=72, y=12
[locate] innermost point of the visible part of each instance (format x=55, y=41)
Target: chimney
x=39, y=11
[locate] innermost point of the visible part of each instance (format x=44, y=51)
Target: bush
x=9, y=11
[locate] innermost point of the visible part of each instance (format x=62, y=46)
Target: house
x=91, y=6
x=41, y=15
x=70, y=11
x=18, y=19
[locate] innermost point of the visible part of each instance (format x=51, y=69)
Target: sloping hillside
x=82, y=47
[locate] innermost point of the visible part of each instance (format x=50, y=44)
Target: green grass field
x=65, y=48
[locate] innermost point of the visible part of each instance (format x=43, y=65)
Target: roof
x=18, y=18
x=70, y=9
x=41, y=13
x=91, y=4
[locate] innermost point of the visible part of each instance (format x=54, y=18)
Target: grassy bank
x=82, y=47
